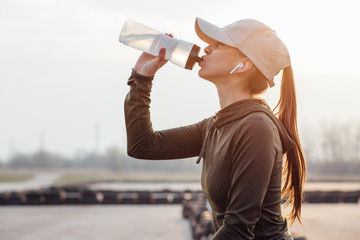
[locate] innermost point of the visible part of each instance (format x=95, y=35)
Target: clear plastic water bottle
x=141, y=37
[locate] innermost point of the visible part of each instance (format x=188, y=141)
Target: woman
x=244, y=144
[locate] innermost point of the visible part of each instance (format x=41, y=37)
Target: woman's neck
x=228, y=94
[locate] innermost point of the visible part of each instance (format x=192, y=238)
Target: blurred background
x=63, y=77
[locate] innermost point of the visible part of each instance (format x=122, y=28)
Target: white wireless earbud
x=240, y=65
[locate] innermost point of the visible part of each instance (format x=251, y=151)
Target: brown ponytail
x=295, y=167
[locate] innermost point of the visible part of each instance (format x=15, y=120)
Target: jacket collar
x=243, y=108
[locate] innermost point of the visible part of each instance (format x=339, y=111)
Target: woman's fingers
x=148, y=64
x=161, y=57
x=162, y=54
x=169, y=34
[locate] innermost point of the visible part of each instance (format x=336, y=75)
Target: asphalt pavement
x=105, y=222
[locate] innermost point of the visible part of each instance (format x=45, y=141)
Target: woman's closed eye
x=219, y=44
x=213, y=46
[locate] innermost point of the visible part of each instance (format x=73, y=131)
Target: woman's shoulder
x=257, y=119
x=257, y=123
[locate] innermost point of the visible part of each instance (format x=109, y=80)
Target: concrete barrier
x=34, y=198
x=2, y=199
x=107, y=197
x=129, y=198
x=83, y=195
x=89, y=197
x=313, y=197
x=52, y=196
x=351, y=197
x=14, y=198
x=331, y=196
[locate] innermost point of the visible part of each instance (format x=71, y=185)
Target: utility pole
x=11, y=150
x=41, y=149
x=97, y=138
x=42, y=141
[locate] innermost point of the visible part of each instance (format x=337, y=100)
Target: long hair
x=294, y=170
x=295, y=166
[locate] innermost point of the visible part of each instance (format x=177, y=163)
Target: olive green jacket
x=242, y=148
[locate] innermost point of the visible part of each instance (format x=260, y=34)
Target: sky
x=63, y=72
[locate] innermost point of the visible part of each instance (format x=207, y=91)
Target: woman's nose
x=207, y=50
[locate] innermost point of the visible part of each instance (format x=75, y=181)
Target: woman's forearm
x=145, y=143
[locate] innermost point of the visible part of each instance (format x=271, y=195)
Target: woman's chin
x=204, y=76
x=202, y=73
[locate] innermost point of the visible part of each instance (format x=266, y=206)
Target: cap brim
x=210, y=33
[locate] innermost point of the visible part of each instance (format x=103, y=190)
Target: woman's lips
x=201, y=62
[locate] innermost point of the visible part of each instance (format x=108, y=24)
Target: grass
x=15, y=178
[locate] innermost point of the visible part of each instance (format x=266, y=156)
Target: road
x=130, y=222
x=329, y=221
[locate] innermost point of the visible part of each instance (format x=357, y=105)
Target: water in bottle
x=141, y=37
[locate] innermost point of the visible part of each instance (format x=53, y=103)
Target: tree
x=341, y=142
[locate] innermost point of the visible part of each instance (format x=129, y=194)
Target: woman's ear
x=247, y=65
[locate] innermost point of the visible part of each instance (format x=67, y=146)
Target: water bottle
x=141, y=37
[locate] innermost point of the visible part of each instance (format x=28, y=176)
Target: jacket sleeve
x=253, y=161
x=145, y=143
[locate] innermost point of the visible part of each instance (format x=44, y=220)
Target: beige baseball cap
x=254, y=39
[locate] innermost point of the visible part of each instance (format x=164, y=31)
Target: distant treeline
x=330, y=150
x=333, y=169
x=112, y=159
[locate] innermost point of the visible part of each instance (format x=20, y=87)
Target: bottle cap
x=193, y=57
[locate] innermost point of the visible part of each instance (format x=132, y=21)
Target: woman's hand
x=148, y=65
